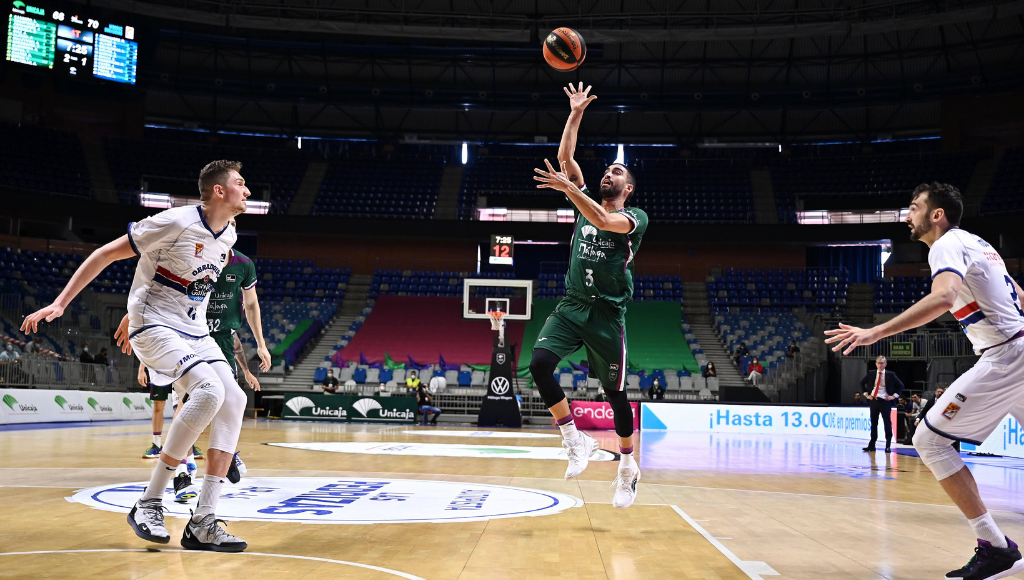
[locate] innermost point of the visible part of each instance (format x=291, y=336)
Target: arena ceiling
x=665, y=71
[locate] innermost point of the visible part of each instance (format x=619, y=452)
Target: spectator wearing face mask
x=709, y=370
x=9, y=354
x=657, y=391
x=755, y=371
x=793, y=349
x=412, y=382
x=330, y=383
x=86, y=357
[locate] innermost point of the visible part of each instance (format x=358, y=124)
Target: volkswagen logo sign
x=499, y=385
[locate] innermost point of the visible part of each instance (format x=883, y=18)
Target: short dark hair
x=630, y=177
x=945, y=197
x=215, y=173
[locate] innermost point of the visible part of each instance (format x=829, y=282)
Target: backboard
x=513, y=297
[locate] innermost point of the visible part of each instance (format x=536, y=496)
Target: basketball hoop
x=497, y=317
x=498, y=324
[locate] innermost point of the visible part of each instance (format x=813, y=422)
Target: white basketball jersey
x=987, y=306
x=180, y=258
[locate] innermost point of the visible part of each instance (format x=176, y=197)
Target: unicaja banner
x=349, y=408
x=593, y=415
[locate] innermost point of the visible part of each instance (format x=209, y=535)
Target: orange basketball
x=564, y=49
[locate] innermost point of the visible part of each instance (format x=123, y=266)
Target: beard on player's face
x=920, y=228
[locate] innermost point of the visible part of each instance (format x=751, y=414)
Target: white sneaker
x=207, y=535
x=625, y=486
x=578, y=451
x=147, y=519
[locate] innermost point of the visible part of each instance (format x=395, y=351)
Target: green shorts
x=598, y=327
x=226, y=342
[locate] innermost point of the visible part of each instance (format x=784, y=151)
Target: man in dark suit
x=882, y=387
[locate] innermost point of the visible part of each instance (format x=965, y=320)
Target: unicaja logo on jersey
x=589, y=231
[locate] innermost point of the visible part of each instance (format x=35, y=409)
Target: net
x=496, y=319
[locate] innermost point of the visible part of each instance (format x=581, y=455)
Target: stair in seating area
x=696, y=308
x=860, y=304
x=714, y=350
x=301, y=377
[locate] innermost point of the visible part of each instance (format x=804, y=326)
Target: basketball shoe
x=625, y=485
x=578, y=451
x=990, y=563
x=183, y=488
x=147, y=519
x=153, y=452
x=237, y=469
x=207, y=535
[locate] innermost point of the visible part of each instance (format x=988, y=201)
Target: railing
x=47, y=373
x=926, y=345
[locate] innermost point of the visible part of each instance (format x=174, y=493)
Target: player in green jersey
x=598, y=285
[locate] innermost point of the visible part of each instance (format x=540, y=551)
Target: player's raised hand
x=553, y=179
x=850, y=337
x=264, y=355
x=31, y=322
x=579, y=98
x=121, y=336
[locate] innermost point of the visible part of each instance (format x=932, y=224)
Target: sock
x=208, y=496
x=626, y=456
x=985, y=528
x=567, y=426
x=182, y=468
x=191, y=462
x=162, y=475
x=156, y=439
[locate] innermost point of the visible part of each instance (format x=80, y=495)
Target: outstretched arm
x=119, y=249
x=578, y=101
x=945, y=288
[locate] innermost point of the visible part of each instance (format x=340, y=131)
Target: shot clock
x=501, y=250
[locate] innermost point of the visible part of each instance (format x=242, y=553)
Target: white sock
x=985, y=528
x=569, y=430
x=626, y=459
x=162, y=475
x=208, y=496
x=156, y=439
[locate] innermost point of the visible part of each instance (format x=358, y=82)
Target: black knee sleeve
x=542, y=367
x=623, y=412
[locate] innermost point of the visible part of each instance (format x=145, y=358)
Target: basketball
x=564, y=49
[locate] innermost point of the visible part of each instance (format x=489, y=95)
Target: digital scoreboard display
x=72, y=43
x=501, y=250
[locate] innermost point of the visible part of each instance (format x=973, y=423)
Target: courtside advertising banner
x=349, y=408
x=55, y=406
x=782, y=420
x=1007, y=439
x=594, y=415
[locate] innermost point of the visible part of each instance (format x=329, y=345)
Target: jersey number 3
x=1013, y=295
x=590, y=279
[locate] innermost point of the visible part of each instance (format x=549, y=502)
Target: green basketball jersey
x=224, y=313
x=601, y=263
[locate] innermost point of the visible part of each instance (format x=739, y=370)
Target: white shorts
x=972, y=407
x=169, y=354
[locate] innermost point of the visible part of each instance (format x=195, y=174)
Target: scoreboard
x=72, y=42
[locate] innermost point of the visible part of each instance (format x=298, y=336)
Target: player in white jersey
x=969, y=280
x=181, y=252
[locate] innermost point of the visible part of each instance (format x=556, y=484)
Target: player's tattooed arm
x=595, y=214
x=579, y=98
x=240, y=360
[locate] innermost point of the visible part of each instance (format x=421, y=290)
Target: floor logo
x=325, y=500
x=442, y=450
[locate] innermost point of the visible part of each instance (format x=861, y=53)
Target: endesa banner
x=783, y=420
x=54, y=406
x=593, y=415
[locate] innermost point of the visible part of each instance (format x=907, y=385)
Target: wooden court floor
x=709, y=507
